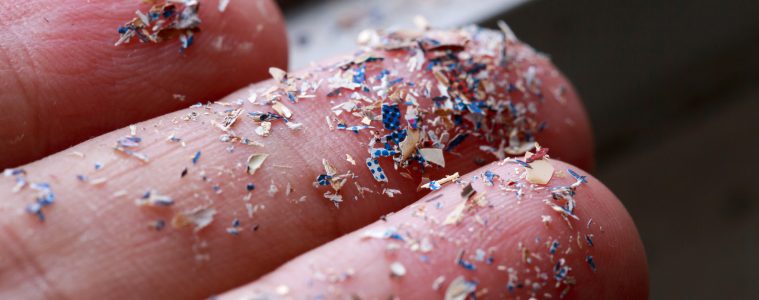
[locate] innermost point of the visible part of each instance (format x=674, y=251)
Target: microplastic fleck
x=255, y=161
x=397, y=269
x=199, y=217
x=459, y=289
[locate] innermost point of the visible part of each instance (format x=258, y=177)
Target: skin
x=617, y=252
x=106, y=240
x=65, y=82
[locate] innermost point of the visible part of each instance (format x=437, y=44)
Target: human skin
x=499, y=228
x=97, y=244
x=65, y=82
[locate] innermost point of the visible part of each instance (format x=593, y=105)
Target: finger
x=284, y=215
x=64, y=80
x=500, y=247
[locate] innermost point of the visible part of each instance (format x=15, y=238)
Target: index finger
x=64, y=81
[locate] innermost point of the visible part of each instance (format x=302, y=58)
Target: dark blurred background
x=672, y=89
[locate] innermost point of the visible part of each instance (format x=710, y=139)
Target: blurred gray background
x=672, y=88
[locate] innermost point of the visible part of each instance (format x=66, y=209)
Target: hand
x=213, y=222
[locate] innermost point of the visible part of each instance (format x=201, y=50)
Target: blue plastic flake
x=250, y=186
x=265, y=116
x=98, y=166
x=396, y=137
x=323, y=179
x=380, y=152
x=154, y=199
x=391, y=116
x=81, y=177
x=158, y=224
x=456, y=141
x=467, y=265
x=434, y=185
x=589, y=240
x=542, y=126
x=196, y=158
x=578, y=177
x=36, y=209
x=474, y=108
x=359, y=76
x=355, y=129
x=46, y=197
x=129, y=141
x=395, y=236
x=235, y=229
x=186, y=40
x=395, y=81
x=591, y=263
x=560, y=272
x=382, y=73
x=13, y=172
x=375, y=169
x=524, y=164
x=489, y=176
x=554, y=247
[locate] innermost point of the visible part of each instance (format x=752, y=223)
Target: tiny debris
x=591, y=263
x=45, y=197
x=153, y=198
x=546, y=219
x=539, y=154
x=195, y=158
x=578, y=177
x=397, y=269
x=273, y=189
x=350, y=159
x=391, y=192
x=264, y=129
x=223, y=5
x=437, y=184
x=456, y=215
x=540, y=172
x=157, y=225
x=278, y=74
x=375, y=169
x=438, y=282
x=468, y=191
x=589, y=239
x=433, y=155
x=127, y=144
x=199, y=217
x=282, y=109
x=462, y=262
x=167, y=19
x=255, y=161
x=554, y=247
x=460, y=289
x=235, y=228
x=282, y=290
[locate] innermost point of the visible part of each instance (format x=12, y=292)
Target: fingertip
x=65, y=67
x=500, y=244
